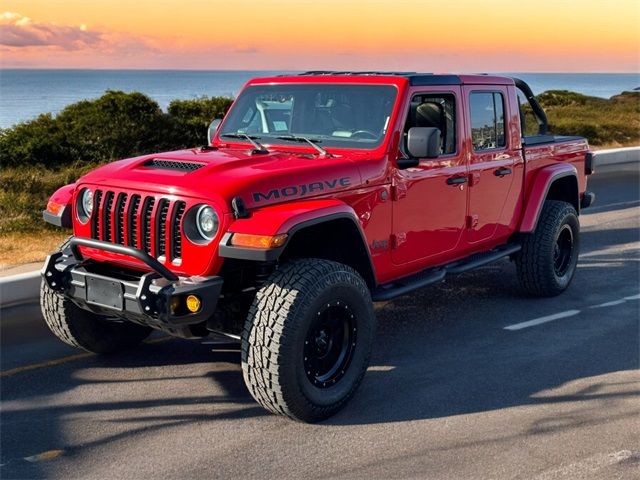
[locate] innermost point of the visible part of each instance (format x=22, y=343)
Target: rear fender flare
x=539, y=192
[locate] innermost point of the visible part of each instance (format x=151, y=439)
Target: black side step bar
x=436, y=274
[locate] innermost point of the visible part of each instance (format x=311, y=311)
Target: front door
x=430, y=200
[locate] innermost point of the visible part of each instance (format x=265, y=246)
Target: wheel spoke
x=329, y=345
x=563, y=251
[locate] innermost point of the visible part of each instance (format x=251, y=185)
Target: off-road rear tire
x=87, y=330
x=307, y=339
x=547, y=262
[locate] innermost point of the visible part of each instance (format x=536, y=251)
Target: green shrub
x=190, y=119
x=114, y=126
x=37, y=141
x=564, y=98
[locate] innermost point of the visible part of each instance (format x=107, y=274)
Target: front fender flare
x=283, y=218
x=539, y=191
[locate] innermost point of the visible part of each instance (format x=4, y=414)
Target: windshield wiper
x=257, y=146
x=310, y=141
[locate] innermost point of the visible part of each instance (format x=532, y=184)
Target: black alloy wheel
x=563, y=250
x=329, y=344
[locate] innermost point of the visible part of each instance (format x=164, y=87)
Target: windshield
x=346, y=116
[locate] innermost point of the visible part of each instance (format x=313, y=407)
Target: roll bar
x=538, y=112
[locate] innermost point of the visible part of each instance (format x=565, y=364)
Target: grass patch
x=18, y=248
x=25, y=191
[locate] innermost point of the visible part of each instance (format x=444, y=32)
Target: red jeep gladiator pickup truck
x=317, y=195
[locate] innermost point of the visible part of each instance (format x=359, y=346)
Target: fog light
x=193, y=303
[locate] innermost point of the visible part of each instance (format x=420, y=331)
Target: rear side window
x=487, y=120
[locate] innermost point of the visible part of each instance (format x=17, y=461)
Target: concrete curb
x=616, y=156
x=19, y=289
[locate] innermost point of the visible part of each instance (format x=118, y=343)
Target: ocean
x=24, y=94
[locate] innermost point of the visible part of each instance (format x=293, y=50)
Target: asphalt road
x=451, y=393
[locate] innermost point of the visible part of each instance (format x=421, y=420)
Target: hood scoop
x=179, y=165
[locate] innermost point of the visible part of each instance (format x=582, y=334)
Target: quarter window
x=487, y=120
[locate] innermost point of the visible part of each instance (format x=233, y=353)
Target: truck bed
x=546, y=139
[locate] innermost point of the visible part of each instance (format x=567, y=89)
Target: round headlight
x=87, y=202
x=207, y=222
x=84, y=205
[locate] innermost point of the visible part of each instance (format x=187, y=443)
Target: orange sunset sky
x=453, y=35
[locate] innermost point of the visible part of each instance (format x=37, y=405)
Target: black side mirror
x=424, y=142
x=213, y=128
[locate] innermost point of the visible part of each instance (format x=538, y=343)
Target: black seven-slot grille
x=132, y=219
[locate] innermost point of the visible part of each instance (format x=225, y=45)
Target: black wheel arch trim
x=227, y=250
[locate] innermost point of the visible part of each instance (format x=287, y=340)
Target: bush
x=38, y=141
x=565, y=98
x=116, y=125
x=190, y=119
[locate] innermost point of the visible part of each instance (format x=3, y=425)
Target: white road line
x=616, y=302
x=609, y=304
x=565, y=314
x=538, y=321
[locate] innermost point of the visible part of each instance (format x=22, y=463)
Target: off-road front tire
x=86, y=330
x=307, y=339
x=547, y=262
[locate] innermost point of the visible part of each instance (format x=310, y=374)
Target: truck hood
x=220, y=175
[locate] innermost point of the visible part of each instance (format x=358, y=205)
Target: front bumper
x=155, y=298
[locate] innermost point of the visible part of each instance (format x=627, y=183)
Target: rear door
x=495, y=163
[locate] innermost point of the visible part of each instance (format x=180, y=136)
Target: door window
x=487, y=120
x=435, y=110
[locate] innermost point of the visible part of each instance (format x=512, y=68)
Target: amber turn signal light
x=258, y=241
x=55, y=208
x=193, y=303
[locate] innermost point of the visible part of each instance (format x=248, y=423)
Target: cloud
x=19, y=31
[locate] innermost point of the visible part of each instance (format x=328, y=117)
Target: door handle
x=501, y=172
x=457, y=180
